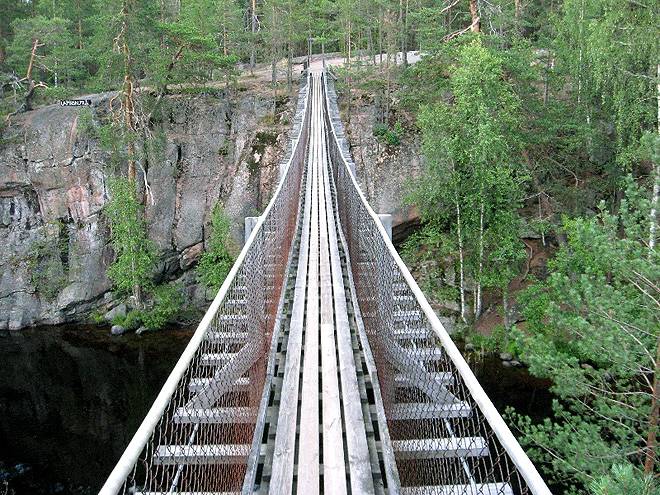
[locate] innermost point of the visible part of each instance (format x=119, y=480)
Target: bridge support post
x=251, y=223
x=386, y=220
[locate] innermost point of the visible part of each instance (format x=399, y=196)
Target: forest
x=537, y=116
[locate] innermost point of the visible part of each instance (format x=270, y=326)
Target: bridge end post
x=250, y=224
x=386, y=220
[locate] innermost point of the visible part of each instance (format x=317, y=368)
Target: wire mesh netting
x=441, y=439
x=202, y=440
x=445, y=436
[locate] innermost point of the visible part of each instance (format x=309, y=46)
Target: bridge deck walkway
x=323, y=428
x=321, y=439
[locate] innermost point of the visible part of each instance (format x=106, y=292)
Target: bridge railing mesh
x=197, y=435
x=445, y=432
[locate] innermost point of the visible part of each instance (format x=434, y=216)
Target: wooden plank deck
x=334, y=471
x=201, y=454
x=356, y=437
x=285, y=438
x=309, y=450
x=439, y=448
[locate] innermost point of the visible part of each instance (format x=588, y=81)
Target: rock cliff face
x=54, y=240
x=382, y=170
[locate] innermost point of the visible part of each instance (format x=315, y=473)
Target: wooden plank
x=410, y=381
x=308, y=446
x=285, y=435
x=422, y=379
x=440, y=448
x=225, y=377
x=356, y=437
x=234, y=320
x=334, y=471
x=215, y=415
x=227, y=337
x=411, y=333
x=196, y=385
x=215, y=358
x=404, y=299
x=426, y=353
x=201, y=454
x=476, y=489
x=409, y=315
x=429, y=410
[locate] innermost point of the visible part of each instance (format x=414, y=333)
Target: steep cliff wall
x=54, y=240
x=383, y=171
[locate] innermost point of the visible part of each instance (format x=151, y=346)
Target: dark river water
x=70, y=400
x=72, y=397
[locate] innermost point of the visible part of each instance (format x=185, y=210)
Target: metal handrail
x=130, y=458
x=339, y=150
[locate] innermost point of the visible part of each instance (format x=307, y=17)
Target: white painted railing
x=232, y=340
x=401, y=325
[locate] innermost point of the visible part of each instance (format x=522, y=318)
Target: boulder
x=117, y=330
x=120, y=310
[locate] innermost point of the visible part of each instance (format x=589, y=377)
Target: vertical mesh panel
x=441, y=439
x=202, y=441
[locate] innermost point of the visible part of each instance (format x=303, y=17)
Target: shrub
x=215, y=263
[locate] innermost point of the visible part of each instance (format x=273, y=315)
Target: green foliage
x=86, y=124
x=164, y=305
x=474, y=182
x=624, y=480
x=592, y=328
x=51, y=96
x=217, y=260
x=134, y=254
x=391, y=137
x=47, y=262
x=97, y=317
x=134, y=262
x=54, y=50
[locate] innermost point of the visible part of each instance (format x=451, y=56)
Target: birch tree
x=474, y=181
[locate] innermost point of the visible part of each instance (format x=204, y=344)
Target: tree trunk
x=387, y=95
x=505, y=306
x=254, y=31
x=3, y=52
x=404, y=45
x=476, y=24
x=348, y=117
x=653, y=221
x=460, y=245
x=380, y=37
x=80, y=36
x=289, y=55
x=274, y=81
x=649, y=463
x=400, y=23
x=289, y=68
x=478, y=300
x=32, y=86
x=33, y=55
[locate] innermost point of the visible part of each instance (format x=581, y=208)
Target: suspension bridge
x=320, y=367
